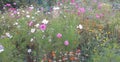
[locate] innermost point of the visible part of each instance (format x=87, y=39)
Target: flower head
x=66, y=43
x=8, y=5
x=33, y=30
x=72, y=1
x=81, y=10
x=37, y=25
x=43, y=27
x=30, y=23
x=99, y=5
x=14, y=3
x=59, y=35
x=8, y=35
x=80, y=26
x=1, y=48
x=28, y=16
x=97, y=16
x=45, y=21
x=29, y=50
x=56, y=8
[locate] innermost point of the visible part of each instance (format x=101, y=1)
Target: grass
x=97, y=39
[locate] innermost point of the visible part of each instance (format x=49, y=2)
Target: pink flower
x=59, y=35
x=14, y=3
x=99, y=6
x=42, y=27
x=81, y=10
x=101, y=15
x=76, y=5
x=30, y=23
x=8, y=5
x=95, y=1
x=72, y=1
x=97, y=16
x=66, y=43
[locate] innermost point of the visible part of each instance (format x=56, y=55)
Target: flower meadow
x=71, y=31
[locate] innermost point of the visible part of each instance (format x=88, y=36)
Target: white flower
x=1, y=48
x=8, y=35
x=56, y=8
x=49, y=40
x=38, y=11
x=45, y=21
x=28, y=16
x=33, y=30
x=80, y=26
x=23, y=11
x=2, y=17
x=29, y=50
x=18, y=26
x=31, y=7
x=33, y=17
x=31, y=40
x=12, y=14
x=15, y=23
x=37, y=25
x=18, y=13
x=27, y=12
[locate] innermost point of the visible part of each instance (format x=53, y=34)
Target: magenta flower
x=97, y=16
x=81, y=10
x=14, y=3
x=95, y=1
x=30, y=23
x=99, y=6
x=76, y=6
x=8, y=5
x=72, y=1
x=59, y=35
x=101, y=15
x=43, y=27
x=15, y=12
x=66, y=43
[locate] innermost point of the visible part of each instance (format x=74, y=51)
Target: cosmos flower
x=59, y=35
x=28, y=16
x=37, y=25
x=31, y=40
x=72, y=1
x=99, y=5
x=1, y=48
x=8, y=5
x=97, y=16
x=66, y=43
x=45, y=21
x=30, y=23
x=29, y=50
x=81, y=10
x=16, y=23
x=32, y=30
x=14, y=3
x=42, y=27
x=80, y=26
x=56, y=8
x=95, y=1
x=8, y=35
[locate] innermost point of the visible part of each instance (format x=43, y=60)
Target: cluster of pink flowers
x=81, y=10
x=99, y=15
x=66, y=42
x=8, y=5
